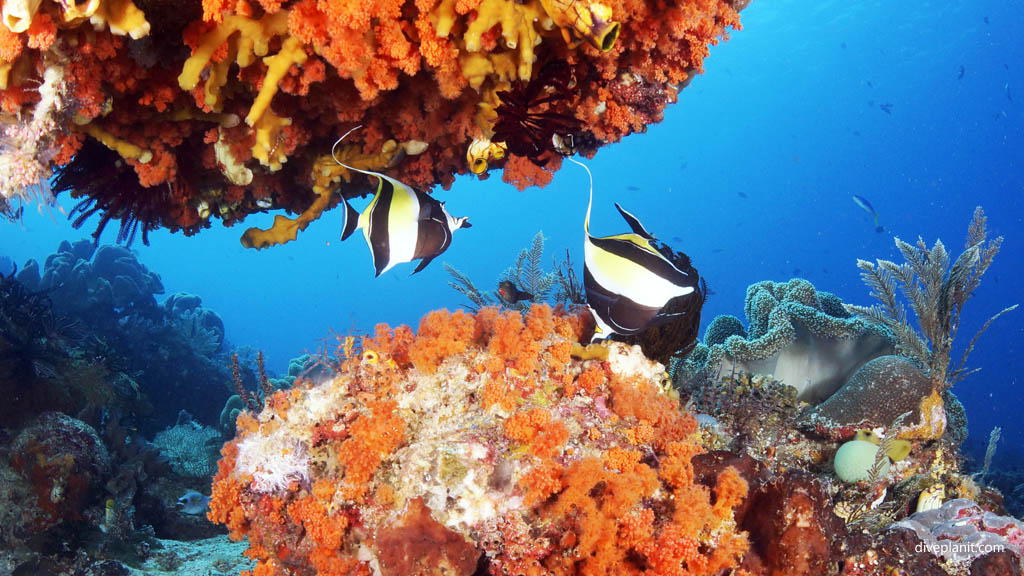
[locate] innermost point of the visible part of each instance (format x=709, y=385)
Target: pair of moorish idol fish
x=626, y=279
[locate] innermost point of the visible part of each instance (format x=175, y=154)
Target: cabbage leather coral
x=802, y=337
x=222, y=109
x=478, y=445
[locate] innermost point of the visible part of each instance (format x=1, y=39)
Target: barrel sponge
x=802, y=337
x=722, y=327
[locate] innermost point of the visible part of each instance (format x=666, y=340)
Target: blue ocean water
x=918, y=108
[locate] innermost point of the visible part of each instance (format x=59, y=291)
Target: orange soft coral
x=441, y=334
x=463, y=430
x=301, y=72
x=373, y=436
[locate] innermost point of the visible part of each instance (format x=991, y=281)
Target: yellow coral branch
x=126, y=149
x=286, y=229
x=519, y=22
x=122, y=17
x=253, y=40
x=277, y=66
x=267, y=147
x=326, y=173
x=591, y=21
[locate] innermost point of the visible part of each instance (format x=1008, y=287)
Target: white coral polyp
x=273, y=461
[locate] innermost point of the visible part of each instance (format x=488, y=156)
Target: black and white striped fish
x=401, y=224
x=627, y=280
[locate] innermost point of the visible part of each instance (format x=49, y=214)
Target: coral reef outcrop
x=230, y=108
x=66, y=463
x=479, y=442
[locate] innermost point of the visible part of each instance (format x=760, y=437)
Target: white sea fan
x=274, y=461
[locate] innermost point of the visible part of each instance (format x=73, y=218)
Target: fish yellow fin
x=898, y=449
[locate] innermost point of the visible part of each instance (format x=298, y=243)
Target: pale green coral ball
x=854, y=459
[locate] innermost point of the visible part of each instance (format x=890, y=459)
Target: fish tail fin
x=351, y=222
x=590, y=202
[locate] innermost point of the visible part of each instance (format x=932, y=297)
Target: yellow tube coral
x=578, y=19
x=18, y=14
x=75, y=13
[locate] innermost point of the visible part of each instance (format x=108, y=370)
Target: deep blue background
x=751, y=173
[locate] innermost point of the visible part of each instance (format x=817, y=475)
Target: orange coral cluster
x=229, y=104
x=555, y=476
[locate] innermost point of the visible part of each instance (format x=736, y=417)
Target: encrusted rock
x=875, y=396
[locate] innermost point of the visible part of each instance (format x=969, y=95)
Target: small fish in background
x=511, y=293
x=742, y=195
x=842, y=45
x=985, y=19
x=193, y=502
x=870, y=85
x=633, y=188
x=887, y=108
x=864, y=204
x=1007, y=89
x=960, y=76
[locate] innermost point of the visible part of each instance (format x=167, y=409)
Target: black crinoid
x=103, y=183
x=532, y=113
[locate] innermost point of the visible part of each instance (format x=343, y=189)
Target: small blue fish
x=863, y=203
x=193, y=502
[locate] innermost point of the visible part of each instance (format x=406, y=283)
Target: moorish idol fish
x=867, y=207
x=626, y=279
x=400, y=224
x=511, y=293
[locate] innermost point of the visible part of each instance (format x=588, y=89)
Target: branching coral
x=469, y=78
x=479, y=443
